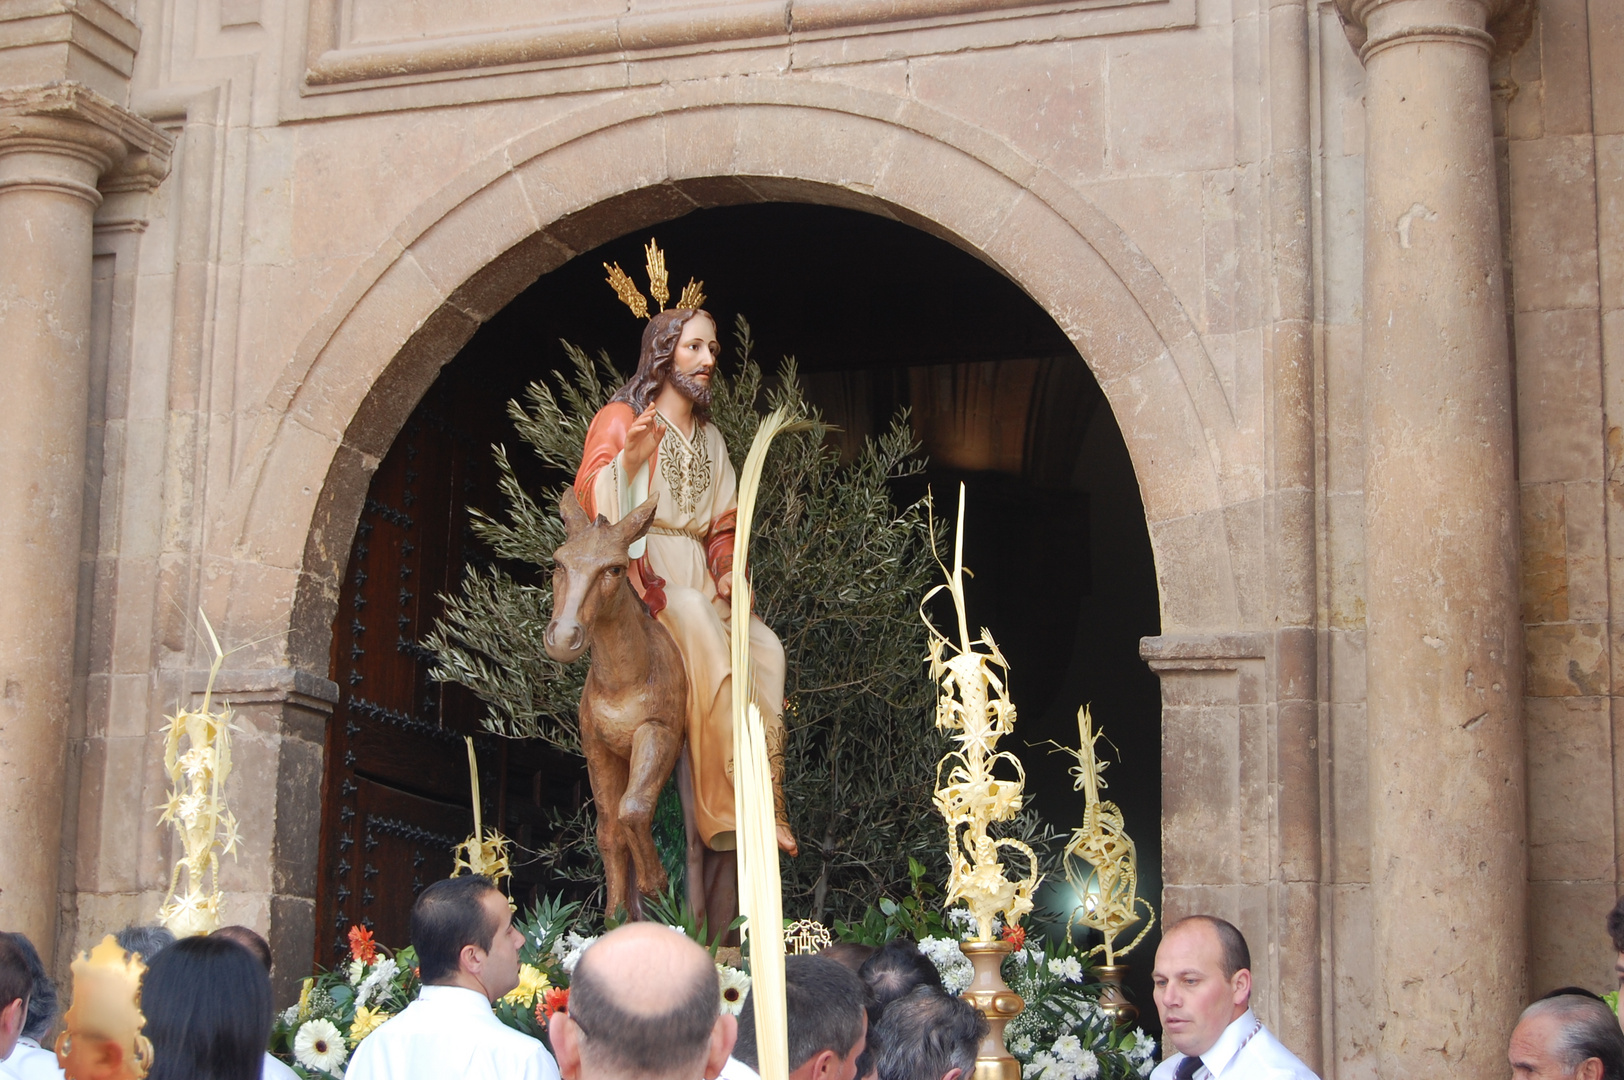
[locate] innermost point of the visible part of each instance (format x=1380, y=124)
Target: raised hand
x=642, y=438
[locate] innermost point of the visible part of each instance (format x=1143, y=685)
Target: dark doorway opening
x=879, y=316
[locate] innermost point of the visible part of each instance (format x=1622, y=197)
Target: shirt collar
x=1219, y=1055
x=455, y=997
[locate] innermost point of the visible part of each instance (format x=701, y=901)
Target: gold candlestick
x=998, y=1003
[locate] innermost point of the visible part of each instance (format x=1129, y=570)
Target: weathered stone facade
x=1350, y=280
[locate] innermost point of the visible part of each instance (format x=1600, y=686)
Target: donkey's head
x=589, y=572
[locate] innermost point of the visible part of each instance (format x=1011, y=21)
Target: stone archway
x=567, y=187
x=572, y=185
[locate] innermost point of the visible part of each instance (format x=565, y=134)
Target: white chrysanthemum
x=1066, y=967
x=568, y=950
x=960, y=919
x=377, y=981
x=951, y=963
x=357, y=971
x=735, y=987
x=320, y=1045
x=1144, y=1047
x=290, y=1014
x=1021, y=1045
x=1067, y=1047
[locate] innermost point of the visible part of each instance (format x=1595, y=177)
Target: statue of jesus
x=655, y=437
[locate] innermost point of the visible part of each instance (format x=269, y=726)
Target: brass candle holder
x=998, y=1003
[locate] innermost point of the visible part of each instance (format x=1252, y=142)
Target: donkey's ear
x=574, y=515
x=634, y=526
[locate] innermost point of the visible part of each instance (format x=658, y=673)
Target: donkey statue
x=634, y=707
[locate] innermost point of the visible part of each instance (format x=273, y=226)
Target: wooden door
x=396, y=795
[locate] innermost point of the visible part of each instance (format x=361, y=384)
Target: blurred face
x=1533, y=1053
x=499, y=969
x=1195, y=1001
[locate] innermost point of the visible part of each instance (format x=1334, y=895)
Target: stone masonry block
x=1559, y=388
x=1570, y=831
x=1553, y=200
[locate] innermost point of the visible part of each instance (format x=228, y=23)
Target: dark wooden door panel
x=396, y=796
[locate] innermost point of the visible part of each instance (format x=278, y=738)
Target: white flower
x=960, y=919
x=320, y=1045
x=569, y=948
x=951, y=963
x=357, y=970
x=735, y=985
x=290, y=1014
x=1067, y=968
x=376, y=982
x=1020, y=1045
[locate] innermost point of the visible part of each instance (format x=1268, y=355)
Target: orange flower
x=554, y=999
x=362, y=947
x=1016, y=936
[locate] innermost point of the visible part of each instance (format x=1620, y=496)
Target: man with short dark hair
x=1567, y=1037
x=16, y=985
x=468, y=957
x=145, y=941
x=929, y=1035
x=29, y=1060
x=645, y=1004
x=1203, y=992
x=828, y=1025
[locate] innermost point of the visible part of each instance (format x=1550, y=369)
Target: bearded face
x=694, y=389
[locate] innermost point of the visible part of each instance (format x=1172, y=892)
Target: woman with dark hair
x=208, y=1008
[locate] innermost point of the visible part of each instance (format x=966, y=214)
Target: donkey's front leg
x=654, y=752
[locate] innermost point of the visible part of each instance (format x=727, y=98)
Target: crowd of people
x=645, y=1005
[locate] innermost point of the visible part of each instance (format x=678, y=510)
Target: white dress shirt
x=30, y=1062
x=737, y=1070
x=1245, y=1051
x=449, y=1032
x=273, y=1069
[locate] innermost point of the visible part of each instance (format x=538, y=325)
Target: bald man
x=645, y=1004
x=1203, y=992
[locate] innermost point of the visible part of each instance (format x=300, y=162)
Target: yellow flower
x=532, y=982
x=365, y=1023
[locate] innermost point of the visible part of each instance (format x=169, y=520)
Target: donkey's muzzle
x=565, y=642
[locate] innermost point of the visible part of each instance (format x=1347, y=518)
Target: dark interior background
x=879, y=316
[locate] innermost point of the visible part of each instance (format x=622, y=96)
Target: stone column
x=1444, y=668
x=56, y=142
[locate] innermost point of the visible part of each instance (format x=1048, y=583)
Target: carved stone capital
x=1499, y=27
x=65, y=136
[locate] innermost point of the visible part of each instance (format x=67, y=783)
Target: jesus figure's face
x=694, y=359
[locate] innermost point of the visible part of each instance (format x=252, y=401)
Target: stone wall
x=1563, y=116
x=1181, y=184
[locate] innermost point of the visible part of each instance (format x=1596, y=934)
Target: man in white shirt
x=468, y=957
x=645, y=1004
x=828, y=1025
x=1203, y=991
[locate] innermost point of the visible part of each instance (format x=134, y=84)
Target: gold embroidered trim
x=685, y=466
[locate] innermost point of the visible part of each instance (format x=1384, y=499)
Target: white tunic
x=1245, y=1051
x=29, y=1062
x=449, y=1032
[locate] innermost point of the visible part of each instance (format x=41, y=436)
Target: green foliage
x=917, y=916
x=838, y=570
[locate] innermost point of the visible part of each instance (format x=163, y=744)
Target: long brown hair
x=660, y=338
